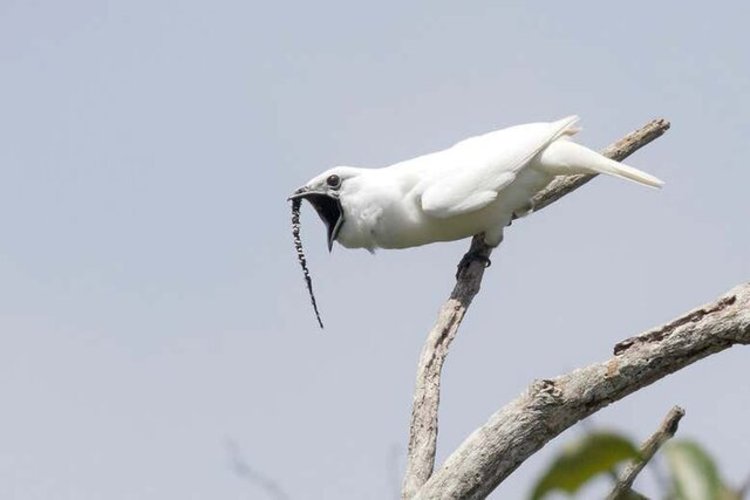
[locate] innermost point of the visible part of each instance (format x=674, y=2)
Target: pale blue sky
x=151, y=305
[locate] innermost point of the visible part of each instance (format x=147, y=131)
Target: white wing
x=473, y=172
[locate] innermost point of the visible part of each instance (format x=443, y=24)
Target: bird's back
x=474, y=186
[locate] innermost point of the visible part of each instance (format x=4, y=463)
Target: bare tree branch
x=744, y=489
x=548, y=407
x=617, y=151
x=240, y=467
x=424, y=419
x=649, y=448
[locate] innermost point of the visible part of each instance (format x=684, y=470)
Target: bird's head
x=324, y=194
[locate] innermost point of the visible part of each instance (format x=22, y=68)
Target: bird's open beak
x=328, y=207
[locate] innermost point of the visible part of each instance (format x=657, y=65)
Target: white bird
x=477, y=186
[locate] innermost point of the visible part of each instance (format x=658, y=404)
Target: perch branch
x=548, y=407
x=424, y=419
x=648, y=449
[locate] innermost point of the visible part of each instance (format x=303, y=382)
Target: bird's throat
x=330, y=211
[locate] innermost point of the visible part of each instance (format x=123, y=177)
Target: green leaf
x=584, y=459
x=694, y=473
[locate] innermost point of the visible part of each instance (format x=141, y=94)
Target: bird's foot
x=470, y=257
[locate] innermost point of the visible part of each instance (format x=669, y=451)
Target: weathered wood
x=424, y=419
x=648, y=449
x=548, y=407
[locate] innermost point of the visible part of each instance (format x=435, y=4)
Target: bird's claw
x=468, y=258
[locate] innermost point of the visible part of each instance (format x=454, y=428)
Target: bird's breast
x=388, y=221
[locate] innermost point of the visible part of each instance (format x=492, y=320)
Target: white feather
x=474, y=187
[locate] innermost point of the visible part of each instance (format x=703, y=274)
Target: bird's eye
x=333, y=181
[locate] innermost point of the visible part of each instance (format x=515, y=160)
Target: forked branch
x=548, y=407
x=424, y=420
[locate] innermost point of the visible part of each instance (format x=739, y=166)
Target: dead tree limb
x=649, y=448
x=548, y=407
x=424, y=419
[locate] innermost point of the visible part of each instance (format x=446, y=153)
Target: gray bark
x=424, y=420
x=550, y=406
x=649, y=448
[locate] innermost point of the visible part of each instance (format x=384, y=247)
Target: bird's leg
x=480, y=249
x=468, y=258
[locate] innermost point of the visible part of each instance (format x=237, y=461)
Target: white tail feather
x=564, y=157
